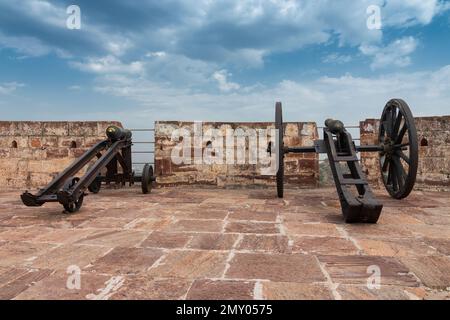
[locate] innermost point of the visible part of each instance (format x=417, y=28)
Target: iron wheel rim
x=399, y=160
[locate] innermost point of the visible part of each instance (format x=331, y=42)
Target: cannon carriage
x=397, y=147
x=112, y=155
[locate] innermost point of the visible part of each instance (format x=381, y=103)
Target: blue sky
x=138, y=61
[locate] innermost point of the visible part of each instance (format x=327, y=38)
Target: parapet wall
x=301, y=170
x=32, y=153
x=434, y=152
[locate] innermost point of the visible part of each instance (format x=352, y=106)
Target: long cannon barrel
x=115, y=133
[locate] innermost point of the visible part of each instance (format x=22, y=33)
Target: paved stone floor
x=224, y=244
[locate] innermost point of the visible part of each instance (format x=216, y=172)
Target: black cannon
x=399, y=157
x=113, y=153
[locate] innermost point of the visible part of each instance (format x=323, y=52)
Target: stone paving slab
x=199, y=243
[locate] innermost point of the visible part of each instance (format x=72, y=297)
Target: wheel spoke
x=393, y=177
x=388, y=125
x=389, y=176
x=385, y=164
x=402, y=155
x=398, y=122
x=401, y=134
x=399, y=172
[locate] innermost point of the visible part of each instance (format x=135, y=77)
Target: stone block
x=56, y=128
x=275, y=267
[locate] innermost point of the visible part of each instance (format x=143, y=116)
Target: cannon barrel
x=115, y=133
x=335, y=126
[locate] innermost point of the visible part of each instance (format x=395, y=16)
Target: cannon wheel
x=96, y=185
x=73, y=207
x=280, y=156
x=399, y=160
x=147, y=179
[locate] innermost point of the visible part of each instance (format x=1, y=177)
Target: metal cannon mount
x=111, y=154
x=399, y=156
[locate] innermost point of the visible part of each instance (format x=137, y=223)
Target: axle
x=316, y=149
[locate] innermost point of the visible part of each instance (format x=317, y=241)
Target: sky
x=139, y=61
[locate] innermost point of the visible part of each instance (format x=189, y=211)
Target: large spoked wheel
x=400, y=157
x=73, y=206
x=280, y=149
x=147, y=179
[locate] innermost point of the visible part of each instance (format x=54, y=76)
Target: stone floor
x=224, y=244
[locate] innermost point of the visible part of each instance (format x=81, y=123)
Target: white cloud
x=26, y=46
x=337, y=58
x=108, y=64
x=222, y=79
x=349, y=98
x=395, y=54
x=236, y=32
x=10, y=87
x=156, y=54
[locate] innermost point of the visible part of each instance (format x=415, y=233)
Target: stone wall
x=32, y=153
x=434, y=152
x=301, y=170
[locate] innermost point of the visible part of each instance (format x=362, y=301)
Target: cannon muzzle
x=335, y=126
x=115, y=133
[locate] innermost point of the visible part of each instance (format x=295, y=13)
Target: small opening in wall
x=209, y=144
x=73, y=145
x=269, y=148
x=14, y=144
x=424, y=142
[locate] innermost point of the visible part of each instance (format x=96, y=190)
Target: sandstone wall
x=301, y=170
x=32, y=153
x=434, y=152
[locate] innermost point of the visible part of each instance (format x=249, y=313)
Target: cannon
x=399, y=157
x=111, y=154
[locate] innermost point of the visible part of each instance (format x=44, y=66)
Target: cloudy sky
x=138, y=61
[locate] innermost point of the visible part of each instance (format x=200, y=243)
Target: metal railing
x=150, y=151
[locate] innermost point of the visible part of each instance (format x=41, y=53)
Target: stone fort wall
x=33, y=152
x=301, y=170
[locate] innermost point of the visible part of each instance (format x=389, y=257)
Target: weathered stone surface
x=195, y=226
x=356, y=270
x=71, y=255
x=441, y=245
x=121, y=238
x=213, y=241
x=166, y=240
x=433, y=271
x=311, y=229
x=395, y=248
x=352, y=292
x=324, y=246
x=275, y=267
x=147, y=288
x=274, y=244
x=126, y=261
x=252, y=215
x=191, y=265
x=251, y=227
x=22, y=283
x=295, y=291
x=221, y=290
x=108, y=239
x=18, y=254
x=54, y=287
